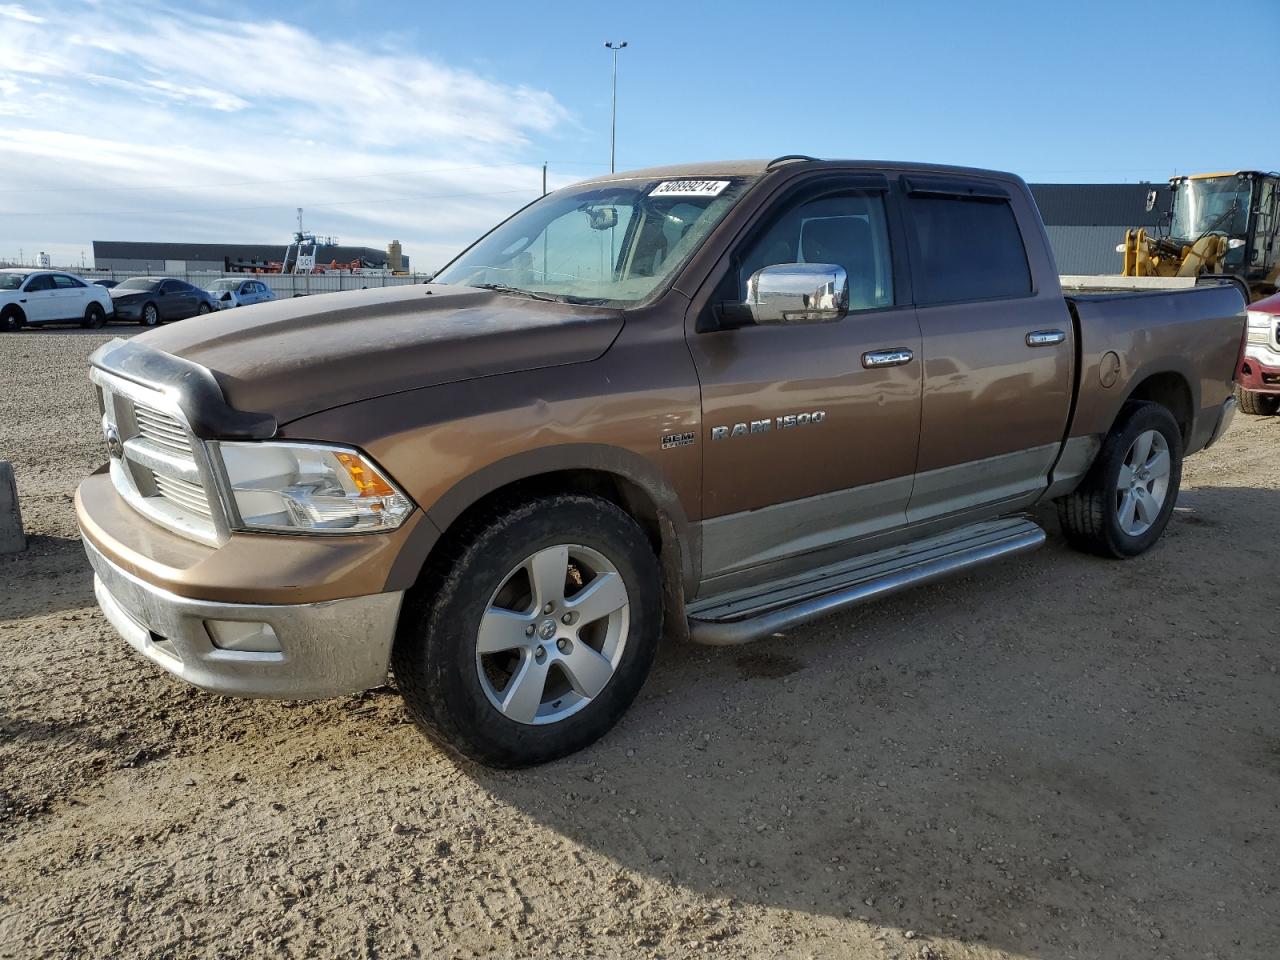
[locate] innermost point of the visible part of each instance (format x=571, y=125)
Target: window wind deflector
x=918, y=186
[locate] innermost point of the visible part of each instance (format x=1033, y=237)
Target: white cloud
x=144, y=122
x=15, y=12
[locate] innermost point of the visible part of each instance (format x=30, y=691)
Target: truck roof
x=752, y=168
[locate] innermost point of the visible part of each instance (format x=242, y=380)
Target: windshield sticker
x=689, y=188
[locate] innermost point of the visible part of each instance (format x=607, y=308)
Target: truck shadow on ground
x=1055, y=755
x=50, y=576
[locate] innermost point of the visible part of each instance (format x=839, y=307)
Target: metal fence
x=281, y=284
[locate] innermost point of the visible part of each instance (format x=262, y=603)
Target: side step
x=746, y=615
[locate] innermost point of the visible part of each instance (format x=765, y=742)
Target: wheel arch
x=610, y=473
x=1172, y=390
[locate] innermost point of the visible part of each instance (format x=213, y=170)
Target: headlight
x=1259, y=327
x=310, y=488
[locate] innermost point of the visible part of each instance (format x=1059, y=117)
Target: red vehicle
x=1258, y=379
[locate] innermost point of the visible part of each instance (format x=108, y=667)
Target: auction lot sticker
x=689, y=188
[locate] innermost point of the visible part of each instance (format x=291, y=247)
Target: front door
x=39, y=299
x=998, y=353
x=807, y=444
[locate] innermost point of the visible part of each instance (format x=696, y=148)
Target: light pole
x=613, y=121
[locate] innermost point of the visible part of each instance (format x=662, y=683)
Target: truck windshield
x=612, y=244
x=1213, y=205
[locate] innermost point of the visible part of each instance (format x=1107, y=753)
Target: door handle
x=1045, y=338
x=886, y=358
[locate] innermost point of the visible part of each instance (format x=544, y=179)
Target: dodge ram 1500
x=731, y=396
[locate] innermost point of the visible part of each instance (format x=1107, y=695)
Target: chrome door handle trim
x=1045, y=338
x=886, y=358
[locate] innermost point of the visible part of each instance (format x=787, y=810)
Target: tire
x=95, y=317
x=1112, y=518
x=1257, y=404
x=150, y=316
x=12, y=320
x=202, y=310
x=455, y=693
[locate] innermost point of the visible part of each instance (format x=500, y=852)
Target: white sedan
x=240, y=293
x=33, y=297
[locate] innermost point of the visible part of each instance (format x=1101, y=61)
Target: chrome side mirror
x=798, y=293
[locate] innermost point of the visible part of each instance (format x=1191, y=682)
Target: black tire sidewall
x=10, y=321
x=95, y=317
x=434, y=659
x=1143, y=417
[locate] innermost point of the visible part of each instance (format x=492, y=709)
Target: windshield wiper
x=503, y=288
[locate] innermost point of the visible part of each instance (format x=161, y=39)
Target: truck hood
x=295, y=357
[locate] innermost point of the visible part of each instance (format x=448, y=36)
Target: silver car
x=240, y=293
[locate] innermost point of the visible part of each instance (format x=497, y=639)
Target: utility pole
x=613, y=121
x=544, y=178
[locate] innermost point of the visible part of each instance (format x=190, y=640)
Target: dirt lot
x=1056, y=757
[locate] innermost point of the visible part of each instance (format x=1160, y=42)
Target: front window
x=1213, y=205
x=612, y=244
x=223, y=285
x=139, y=283
x=12, y=281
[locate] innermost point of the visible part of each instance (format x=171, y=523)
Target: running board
x=745, y=615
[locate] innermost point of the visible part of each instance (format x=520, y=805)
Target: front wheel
x=11, y=320
x=1125, y=501
x=150, y=315
x=202, y=310
x=531, y=640
x=1257, y=404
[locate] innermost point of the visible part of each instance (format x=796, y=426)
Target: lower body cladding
x=289, y=651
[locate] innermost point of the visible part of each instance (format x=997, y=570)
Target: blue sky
x=425, y=122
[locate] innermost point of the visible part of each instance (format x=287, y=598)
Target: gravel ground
x=1056, y=757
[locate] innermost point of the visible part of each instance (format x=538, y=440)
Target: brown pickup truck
x=729, y=397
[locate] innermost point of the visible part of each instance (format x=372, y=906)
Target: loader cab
x=1241, y=206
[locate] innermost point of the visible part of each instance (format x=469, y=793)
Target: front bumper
x=1259, y=370
x=128, y=310
x=325, y=649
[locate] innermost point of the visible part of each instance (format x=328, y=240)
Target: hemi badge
x=677, y=440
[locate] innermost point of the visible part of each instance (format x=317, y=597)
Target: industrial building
x=180, y=258
x=1085, y=221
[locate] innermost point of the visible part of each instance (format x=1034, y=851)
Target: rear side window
x=970, y=249
x=65, y=282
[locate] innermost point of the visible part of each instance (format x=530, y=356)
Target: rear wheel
x=150, y=315
x=1124, y=503
x=531, y=640
x=94, y=317
x=11, y=320
x=1258, y=404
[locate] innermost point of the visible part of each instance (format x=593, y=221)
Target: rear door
x=73, y=297
x=807, y=446
x=998, y=351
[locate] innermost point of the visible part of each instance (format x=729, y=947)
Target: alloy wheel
x=552, y=634
x=1143, y=483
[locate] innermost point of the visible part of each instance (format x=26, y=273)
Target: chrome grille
x=158, y=467
x=183, y=493
x=162, y=430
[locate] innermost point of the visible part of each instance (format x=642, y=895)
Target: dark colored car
x=152, y=300
x=108, y=284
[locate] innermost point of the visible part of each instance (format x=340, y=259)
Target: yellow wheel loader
x=1219, y=224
